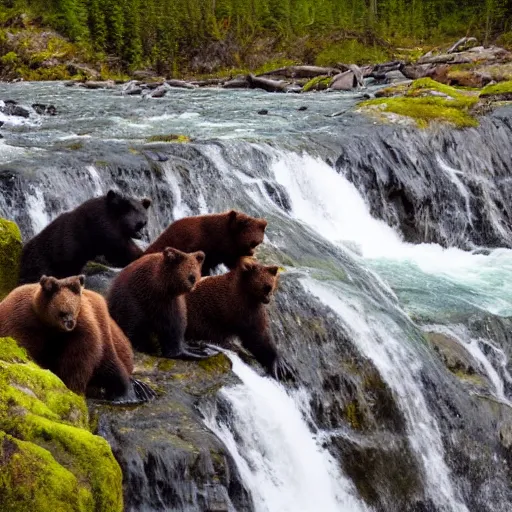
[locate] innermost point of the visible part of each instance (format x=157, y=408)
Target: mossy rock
x=425, y=101
x=50, y=459
x=319, y=83
x=10, y=253
x=498, y=92
x=172, y=137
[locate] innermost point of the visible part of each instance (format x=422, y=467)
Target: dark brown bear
x=223, y=237
x=68, y=330
x=103, y=226
x=233, y=304
x=147, y=300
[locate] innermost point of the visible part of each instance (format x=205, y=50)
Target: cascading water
x=399, y=431
x=277, y=455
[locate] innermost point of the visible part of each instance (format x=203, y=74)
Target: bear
x=103, y=226
x=233, y=304
x=147, y=300
x=69, y=331
x=223, y=237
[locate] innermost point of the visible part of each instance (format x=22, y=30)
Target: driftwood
x=256, y=82
x=463, y=42
x=301, y=72
x=208, y=82
x=236, y=83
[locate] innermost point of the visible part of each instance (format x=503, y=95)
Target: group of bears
x=159, y=298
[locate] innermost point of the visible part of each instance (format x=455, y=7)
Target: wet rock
x=11, y=108
x=236, y=83
x=42, y=109
x=302, y=108
x=170, y=460
x=209, y=82
x=263, y=112
x=95, y=84
x=160, y=91
x=132, y=88
x=395, y=76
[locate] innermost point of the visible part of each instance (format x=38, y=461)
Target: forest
x=202, y=35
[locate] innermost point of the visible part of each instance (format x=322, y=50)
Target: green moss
x=51, y=460
x=219, y=363
x=166, y=365
x=501, y=89
x=319, y=83
x=426, y=100
x=353, y=415
x=168, y=138
x=10, y=253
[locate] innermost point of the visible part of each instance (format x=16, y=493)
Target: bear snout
x=69, y=324
x=192, y=279
x=267, y=289
x=138, y=228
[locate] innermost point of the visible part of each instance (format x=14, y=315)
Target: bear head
x=246, y=232
x=129, y=213
x=58, y=301
x=258, y=281
x=182, y=270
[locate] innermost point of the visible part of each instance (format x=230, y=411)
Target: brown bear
x=147, y=300
x=68, y=330
x=233, y=304
x=223, y=237
x=103, y=226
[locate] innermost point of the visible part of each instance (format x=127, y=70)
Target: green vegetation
x=10, y=253
x=172, y=137
x=318, y=83
x=502, y=89
x=204, y=36
x=50, y=460
x=426, y=101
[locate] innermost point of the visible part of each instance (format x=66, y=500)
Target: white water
x=333, y=207
x=382, y=341
x=279, y=458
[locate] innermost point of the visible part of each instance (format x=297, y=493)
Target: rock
x=395, y=76
x=505, y=434
x=344, y=81
x=44, y=109
x=167, y=454
x=50, y=459
x=102, y=84
x=1, y=124
x=11, y=108
x=160, y=92
x=208, y=82
x=263, y=112
x=415, y=71
x=293, y=88
x=181, y=84
x=301, y=109
x=144, y=74
x=10, y=254
x=132, y=88
x=319, y=83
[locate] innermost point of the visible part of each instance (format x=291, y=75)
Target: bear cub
x=103, y=226
x=147, y=300
x=223, y=237
x=68, y=330
x=233, y=304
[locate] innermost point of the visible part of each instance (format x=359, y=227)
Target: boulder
x=11, y=108
x=345, y=81
x=10, y=253
x=182, y=84
x=160, y=91
x=101, y=84
x=49, y=458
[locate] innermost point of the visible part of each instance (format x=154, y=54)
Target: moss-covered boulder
x=424, y=101
x=49, y=460
x=10, y=252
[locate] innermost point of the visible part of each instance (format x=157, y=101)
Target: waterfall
x=277, y=454
x=372, y=226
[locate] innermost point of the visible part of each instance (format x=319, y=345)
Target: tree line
x=166, y=34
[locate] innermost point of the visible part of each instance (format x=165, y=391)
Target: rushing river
x=386, y=234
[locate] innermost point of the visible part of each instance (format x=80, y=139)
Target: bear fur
x=103, y=226
x=233, y=304
x=147, y=300
x=68, y=330
x=223, y=237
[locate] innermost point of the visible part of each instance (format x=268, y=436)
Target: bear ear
x=273, y=270
x=81, y=279
x=49, y=284
x=172, y=255
x=232, y=214
x=146, y=203
x=113, y=198
x=262, y=223
x=199, y=256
